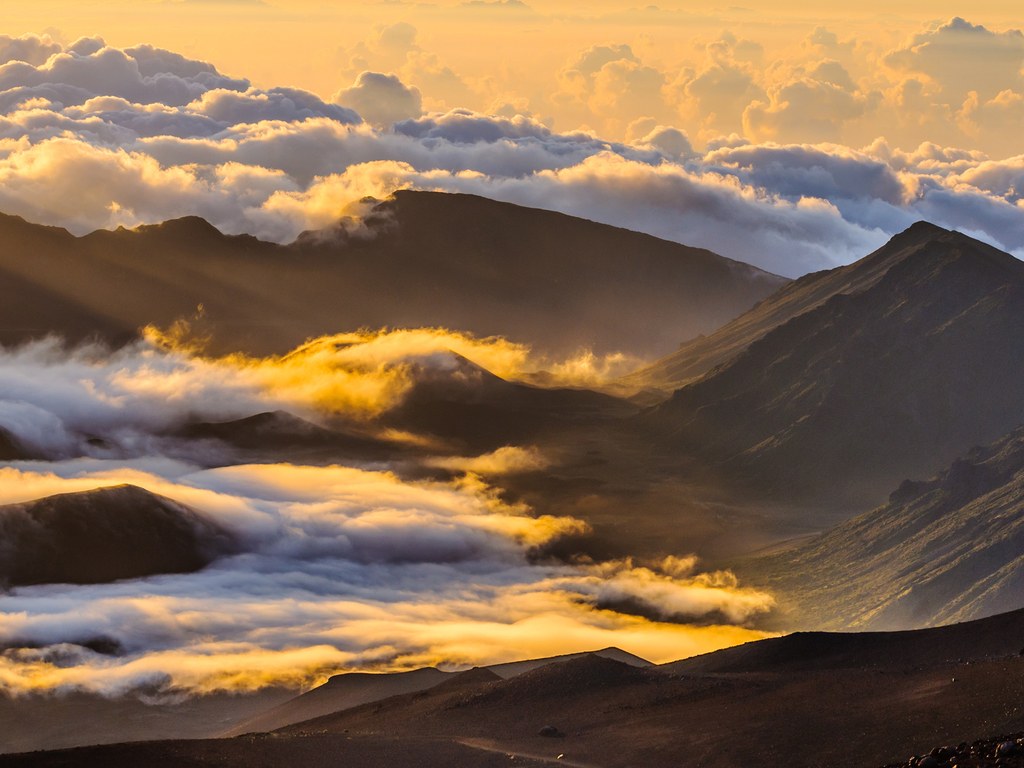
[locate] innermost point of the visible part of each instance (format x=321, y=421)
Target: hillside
x=103, y=535
x=913, y=357
x=422, y=259
x=941, y=550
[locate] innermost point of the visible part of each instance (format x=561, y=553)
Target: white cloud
x=381, y=99
x=343, y=568
x=154, y=135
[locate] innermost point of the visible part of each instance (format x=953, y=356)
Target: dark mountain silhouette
x=353, y=689
x=102, y=535
x=278, y=435
x=697, y=356
x=342, y=692
x=993, y=637
x=941, y=550
x=426, y=259
x=841, y=700
x=11, y=449
x=885, y=369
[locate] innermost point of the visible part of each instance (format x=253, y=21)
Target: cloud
x=276, y=162
x=343, y=569
x=814, y=107
x=962, y=57
x=714, y=96
x=92, y=401
x=509, y=459
x=114, y=72
x=381, y=99
x=229, y=107
x=606, y=82
x=30, y=49
x=55, y=399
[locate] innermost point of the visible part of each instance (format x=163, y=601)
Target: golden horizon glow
x=464, y=55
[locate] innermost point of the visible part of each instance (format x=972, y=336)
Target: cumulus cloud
x=393, y=48
x=814, y=107
x=342, y=569
x=712, y=96
x=31, y=49
x=381, y=99
x=606, y=82
x=962, y=57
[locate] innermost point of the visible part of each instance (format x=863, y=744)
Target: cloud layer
x=153, y=135
x=342, y=569
x=335, y=567
x=91, y=401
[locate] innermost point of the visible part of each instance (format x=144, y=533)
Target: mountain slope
x=947, y=549
x=460, y=401
x=990, y=638
x=350, y=690
x=103, y=535
x=341, y=692
x=425, y=259
x=699, y=355
x=911, y=360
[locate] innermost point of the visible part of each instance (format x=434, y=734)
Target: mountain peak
x=189, y=227
x=105, y=534
x=923, y=227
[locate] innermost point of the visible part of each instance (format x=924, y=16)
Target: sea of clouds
x=336, y=567
x=343, y=568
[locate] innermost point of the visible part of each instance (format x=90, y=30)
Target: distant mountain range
x=421, y=259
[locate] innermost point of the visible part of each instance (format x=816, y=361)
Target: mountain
x=885, y=369
x=699, y=355
x=44, y=720
x=120, y=532
x=278, y=434
x=994, y=637
x=421, y=259
x=844, y=700
x=941, y=550
x=349, y=690
x=342, y=692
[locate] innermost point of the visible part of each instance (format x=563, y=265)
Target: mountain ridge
x=889, y=379
x=950, y=548
x=426, y=259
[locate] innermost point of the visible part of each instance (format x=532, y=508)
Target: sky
x=795, y=140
